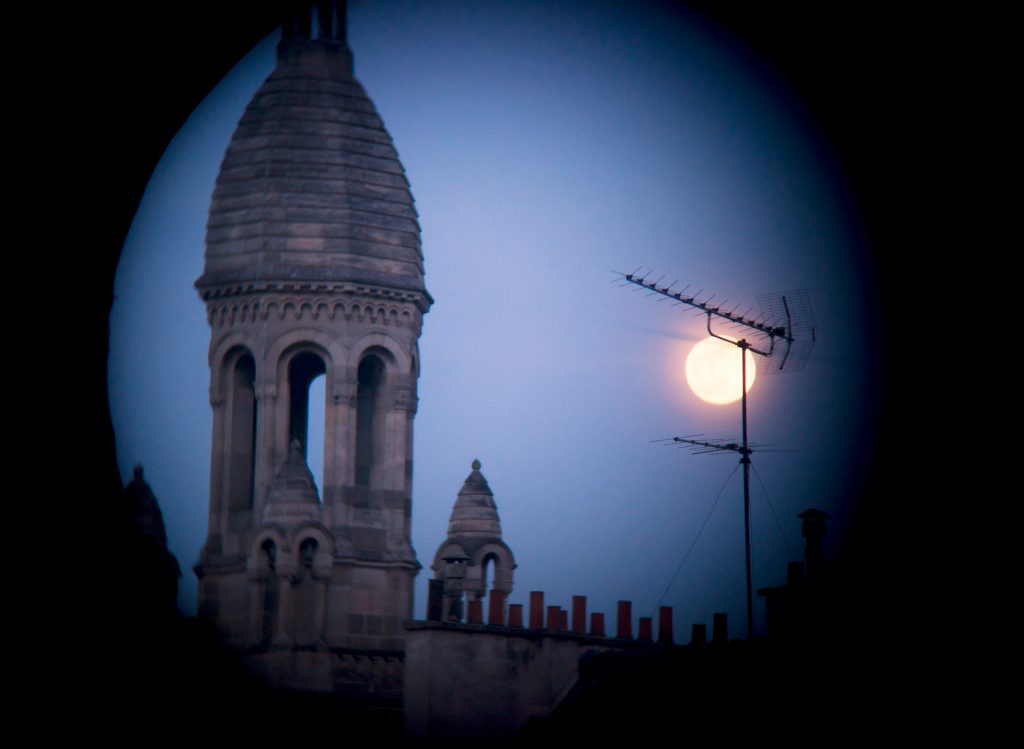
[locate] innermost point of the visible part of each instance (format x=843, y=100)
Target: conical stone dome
x=311, y=191
x=475, y=515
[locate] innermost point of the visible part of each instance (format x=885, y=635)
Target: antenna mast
x=779, y=334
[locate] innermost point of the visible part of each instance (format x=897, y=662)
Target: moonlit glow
x=548, y=144
x=713, y=371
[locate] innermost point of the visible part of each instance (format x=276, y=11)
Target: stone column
x=339, y=425
x=217, y=523
x=286, y=571
x=270, y=455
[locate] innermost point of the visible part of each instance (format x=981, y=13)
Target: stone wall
x=477, y=685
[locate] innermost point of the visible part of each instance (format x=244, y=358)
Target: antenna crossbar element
x=716, y=310
x=785, y=318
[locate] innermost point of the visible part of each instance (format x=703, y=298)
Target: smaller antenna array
x=699, y=447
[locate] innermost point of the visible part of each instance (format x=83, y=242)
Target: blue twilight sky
x=547, y=145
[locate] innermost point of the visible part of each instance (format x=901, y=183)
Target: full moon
x=713, y=371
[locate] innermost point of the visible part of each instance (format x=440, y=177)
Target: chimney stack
x=624, y=624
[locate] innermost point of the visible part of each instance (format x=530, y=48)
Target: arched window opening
x=305, y=597
x=316, y=429
x=306, y=393
x=271, y=592
x=307, y=551
x=242, y=426
x=488, y=575
x=369, y=424
x=270, y=552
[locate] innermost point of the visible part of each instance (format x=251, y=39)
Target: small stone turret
x=155, y=570
x=474, y=542
x=292, y=496
x=145, y=510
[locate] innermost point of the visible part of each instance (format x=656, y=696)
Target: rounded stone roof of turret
x=144, y=508
x=311, y=190
x=475, y=514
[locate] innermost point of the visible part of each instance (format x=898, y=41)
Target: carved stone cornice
x=361, y=293
x=279, y=307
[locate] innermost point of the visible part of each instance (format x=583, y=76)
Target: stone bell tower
x=313, y=268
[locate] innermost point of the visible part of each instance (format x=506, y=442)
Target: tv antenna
x=783, y=335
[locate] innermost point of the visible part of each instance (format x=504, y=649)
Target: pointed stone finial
x=329, y=42
x=476, y=464
x=137, y=472
x=294, y=472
